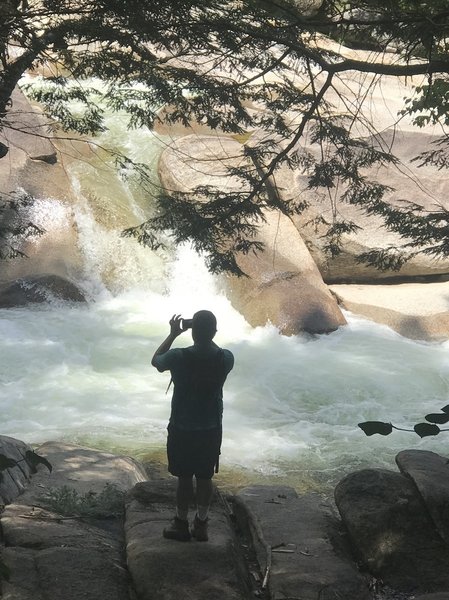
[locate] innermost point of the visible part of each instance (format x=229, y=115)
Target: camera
x=186, y=323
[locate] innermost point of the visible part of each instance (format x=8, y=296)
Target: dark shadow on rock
x=392, y=532
x=39, y=289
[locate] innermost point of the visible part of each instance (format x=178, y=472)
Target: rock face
x=266, y=541
x=34, y=165
x=426, y=186
x=391, y=530
x=283, y=286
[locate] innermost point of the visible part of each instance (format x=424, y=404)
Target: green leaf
x=426, y=429
x=445, y=409
x=34, y=459
x=372, y=427
x=440, y=418
x=6, y=463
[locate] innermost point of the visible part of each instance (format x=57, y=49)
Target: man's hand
x=175, y=326
x=175, y=330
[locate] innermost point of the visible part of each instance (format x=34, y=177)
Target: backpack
x=206, y=375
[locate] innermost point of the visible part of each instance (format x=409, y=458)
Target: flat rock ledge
x=265, y=541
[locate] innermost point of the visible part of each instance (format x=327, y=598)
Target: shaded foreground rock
x=54, y=557
x=430, y=473
x=165, y=569
x=391, y=530
x=298, y=545
x=275, y=544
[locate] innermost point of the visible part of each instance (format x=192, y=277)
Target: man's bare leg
x=184, y=497
x=204, y=493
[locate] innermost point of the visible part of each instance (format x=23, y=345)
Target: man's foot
x=177, y=530
x=199, y=529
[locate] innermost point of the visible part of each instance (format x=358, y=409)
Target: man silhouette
x=195, y=426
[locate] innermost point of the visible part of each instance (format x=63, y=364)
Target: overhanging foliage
x=237, y=67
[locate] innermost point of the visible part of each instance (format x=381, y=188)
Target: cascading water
x=82, y=373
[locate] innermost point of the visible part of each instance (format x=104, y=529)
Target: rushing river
x=81, y=373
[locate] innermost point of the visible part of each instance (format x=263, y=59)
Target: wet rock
x=36, y=166
x=43, y=288
x=391, y=530
x=298, y=545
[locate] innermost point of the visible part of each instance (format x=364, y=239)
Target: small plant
x=422, y=429
x=66, y=501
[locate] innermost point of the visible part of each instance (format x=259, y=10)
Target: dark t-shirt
x=198, y=375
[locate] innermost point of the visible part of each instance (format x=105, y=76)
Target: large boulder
x=35, y=165
x=430, y=473
x=51, y=554
x=427, y=186
x=392, y=532
x=283, y=286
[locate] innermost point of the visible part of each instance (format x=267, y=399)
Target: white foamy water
x=82, y=373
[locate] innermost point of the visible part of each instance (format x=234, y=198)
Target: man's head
x=204, y=326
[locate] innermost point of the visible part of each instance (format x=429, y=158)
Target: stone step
x=164, y=569
x=299, y=547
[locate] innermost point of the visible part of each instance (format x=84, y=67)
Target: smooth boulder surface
x=283, y=286
x=415, y=310
x=391, y=530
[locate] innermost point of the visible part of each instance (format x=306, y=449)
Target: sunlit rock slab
x=415, y=310
x=299, y=545
x=164, y=569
